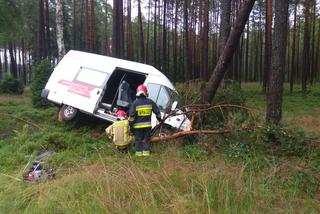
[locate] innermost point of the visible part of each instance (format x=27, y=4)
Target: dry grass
x=310, y=122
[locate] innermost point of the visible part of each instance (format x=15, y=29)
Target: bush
x=284, y=141
x=11, y=85
x=41, y=73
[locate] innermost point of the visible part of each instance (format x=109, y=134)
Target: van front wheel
x=68, y=112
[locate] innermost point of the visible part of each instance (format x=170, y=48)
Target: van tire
x=68, y=112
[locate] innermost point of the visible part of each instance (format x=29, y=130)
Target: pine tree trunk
x=74, y=22
x=276, y=76
x=205, y=41
x=117, y=29
x=268, y=44
x=293, y=57
x=164, y=35
x=5, y=58
x=13, y=63
x=92, y=27
x=306, y=49
x=41, y=33
x=312, y=74
x=86, y=25
x=47, y=27
x=59, y=22
x=129, y=32
x=187, y=57
x=228, y=52
x=141, y=39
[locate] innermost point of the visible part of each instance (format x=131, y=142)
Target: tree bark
x=13, y=63
x=92, y=27
x=86, y=26
x=59, y=22
x=117, y=29
x=129, y=32
x=187, y=57
x=306, y=49
x=227, y=54
x=268, y=44
x=141, y=39
x=276, y=76
x=74, y=22
x=293, y=61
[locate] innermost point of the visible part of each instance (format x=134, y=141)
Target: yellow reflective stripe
x=140, y=126
x=143, y=108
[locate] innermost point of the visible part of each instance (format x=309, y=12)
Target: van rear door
x=85, y=90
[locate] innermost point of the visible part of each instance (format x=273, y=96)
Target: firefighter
x=140, y=120
x=119, y=131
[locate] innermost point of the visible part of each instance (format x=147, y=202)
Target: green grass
x=233, y=174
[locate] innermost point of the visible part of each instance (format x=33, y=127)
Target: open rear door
x=84, y=91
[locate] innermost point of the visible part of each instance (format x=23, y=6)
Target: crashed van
x=99, y=85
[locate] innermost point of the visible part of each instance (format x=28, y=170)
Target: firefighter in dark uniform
x=140, y=120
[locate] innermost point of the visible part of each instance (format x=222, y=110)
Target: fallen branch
x=23, y=120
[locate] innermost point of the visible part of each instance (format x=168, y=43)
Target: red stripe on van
x=78, y=88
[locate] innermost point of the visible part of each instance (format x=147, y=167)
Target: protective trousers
x=142, y=137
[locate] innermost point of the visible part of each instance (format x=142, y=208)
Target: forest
x=247, y=70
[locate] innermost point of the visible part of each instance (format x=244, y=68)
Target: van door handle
x=98, y=92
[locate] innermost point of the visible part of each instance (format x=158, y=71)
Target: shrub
x=284, y=141
x=41, y=73
x=11, y=85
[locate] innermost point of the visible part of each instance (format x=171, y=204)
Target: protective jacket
x=119, y=133
x=140, y=113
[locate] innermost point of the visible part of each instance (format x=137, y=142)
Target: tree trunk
x=13, y=63
x=187, y=57
x=205, y=41
x=312, y=74
x=47, y=27
x=86, y=26
x=92, y=27
x=5, y=58
x=129, y=32
x=59, y=22
x=293, y=62
x=306, y=49
x=276, y=76
x=74, y=22
x=117, y=29
x=268, y=44
x=227, y=54
x=225, y=28
x=164, y=36
x=141, y=39
x=41, y=33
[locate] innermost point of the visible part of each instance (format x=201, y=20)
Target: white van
x=99, y=85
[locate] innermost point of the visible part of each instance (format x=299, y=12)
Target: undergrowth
x=271, y=168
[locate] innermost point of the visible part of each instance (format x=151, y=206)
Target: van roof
x=106, y=63
x=101, y=61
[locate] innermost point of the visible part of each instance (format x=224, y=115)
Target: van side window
x=153, y=90
x=92, y=77
x=163, y=99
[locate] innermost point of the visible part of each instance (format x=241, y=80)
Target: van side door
x=85, y=90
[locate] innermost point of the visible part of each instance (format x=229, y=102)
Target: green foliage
x=284, y=141
x=194, y=152
x=236, y=150
x=41, y=73
x=11, y=85
x=190, y=92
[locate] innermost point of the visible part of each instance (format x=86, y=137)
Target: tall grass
x=227, y=174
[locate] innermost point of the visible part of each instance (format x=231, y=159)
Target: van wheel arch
x=68, y=112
